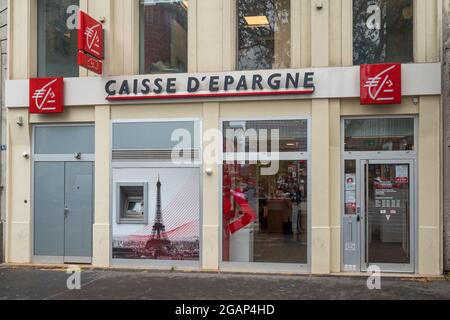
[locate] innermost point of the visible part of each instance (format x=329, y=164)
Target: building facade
x=235, y=135
x=3, y=41
x=446, y=115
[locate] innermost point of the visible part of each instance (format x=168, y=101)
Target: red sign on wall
x=91, y=63
x=381, y=84
x=90, y=36
x=46, y=95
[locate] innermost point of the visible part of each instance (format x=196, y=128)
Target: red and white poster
x=46, y=95
x=381, y=84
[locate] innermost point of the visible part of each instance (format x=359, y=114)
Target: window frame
x=236, y=38
x=35, y=56
x=283, y=156
x=141, y=40
x=350, y=32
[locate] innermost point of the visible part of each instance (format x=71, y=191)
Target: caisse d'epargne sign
x=191, y=86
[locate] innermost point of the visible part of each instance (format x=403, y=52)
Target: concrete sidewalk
x=33, y=283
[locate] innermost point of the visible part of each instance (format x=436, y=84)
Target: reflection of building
x=165, y=37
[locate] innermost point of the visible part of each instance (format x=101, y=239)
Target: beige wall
x=320, y=38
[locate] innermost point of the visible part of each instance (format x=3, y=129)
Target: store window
x=57, y=38
x=243, y=136
x=265, y=212
x=163, y=36
x=264, y=34
x=391, y=134
x=382, y=31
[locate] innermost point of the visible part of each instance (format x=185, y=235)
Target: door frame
x=400, y=156
x=361, y=185
x=57, y=158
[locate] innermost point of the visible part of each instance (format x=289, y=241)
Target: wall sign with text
x=233, y=84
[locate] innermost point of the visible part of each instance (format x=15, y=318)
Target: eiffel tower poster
x=172, y=229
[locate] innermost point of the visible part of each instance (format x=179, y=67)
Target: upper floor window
x=264, y=34
x=382, y=31
x=57, y=38
x=163, y=36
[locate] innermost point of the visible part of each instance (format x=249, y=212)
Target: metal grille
x=154, y=155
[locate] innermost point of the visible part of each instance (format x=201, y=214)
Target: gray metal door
x=49, y=211
x=63, y=212
x=78, y=212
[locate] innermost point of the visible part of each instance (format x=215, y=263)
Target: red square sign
x=46, y=95
x=381, y=84
x=91, y=63
x=90, y=36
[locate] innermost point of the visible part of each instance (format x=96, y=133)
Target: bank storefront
x=255, y=142
x=253, y=187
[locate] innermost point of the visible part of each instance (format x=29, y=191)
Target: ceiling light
x=257, y=20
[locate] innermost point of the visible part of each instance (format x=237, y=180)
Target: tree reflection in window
x=264, y=34
x=382, y=31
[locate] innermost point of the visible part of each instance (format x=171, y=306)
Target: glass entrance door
x=387, y=215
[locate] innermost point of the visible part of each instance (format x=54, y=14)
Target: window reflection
x=265, y=218
x=240, y=136
x=379, y=134
x=264, y=34
x=382, y=31
x=57, y=38
x=163, y=32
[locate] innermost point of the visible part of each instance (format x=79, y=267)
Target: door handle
x=66, y=211
x=358, y=218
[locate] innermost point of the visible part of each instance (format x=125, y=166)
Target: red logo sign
x=91, y=63
x=381, y=84
x=47, y=95
x=90, y=36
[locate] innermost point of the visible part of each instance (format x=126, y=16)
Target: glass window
x=163, y=36
x=382, y=31
x=64, y=140
x=265, y=217
x=392, y=134
x=265, y=211
x=249, y=136
x=57, y=38
x=152, y=135
x=264, y=34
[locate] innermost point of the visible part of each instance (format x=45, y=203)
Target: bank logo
x=46, y=95
x=381, y=84
x=90, y=36
x=93, y=38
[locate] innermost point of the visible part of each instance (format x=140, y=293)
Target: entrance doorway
x=379, y=207
x=63, y=194
x=379, y=215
